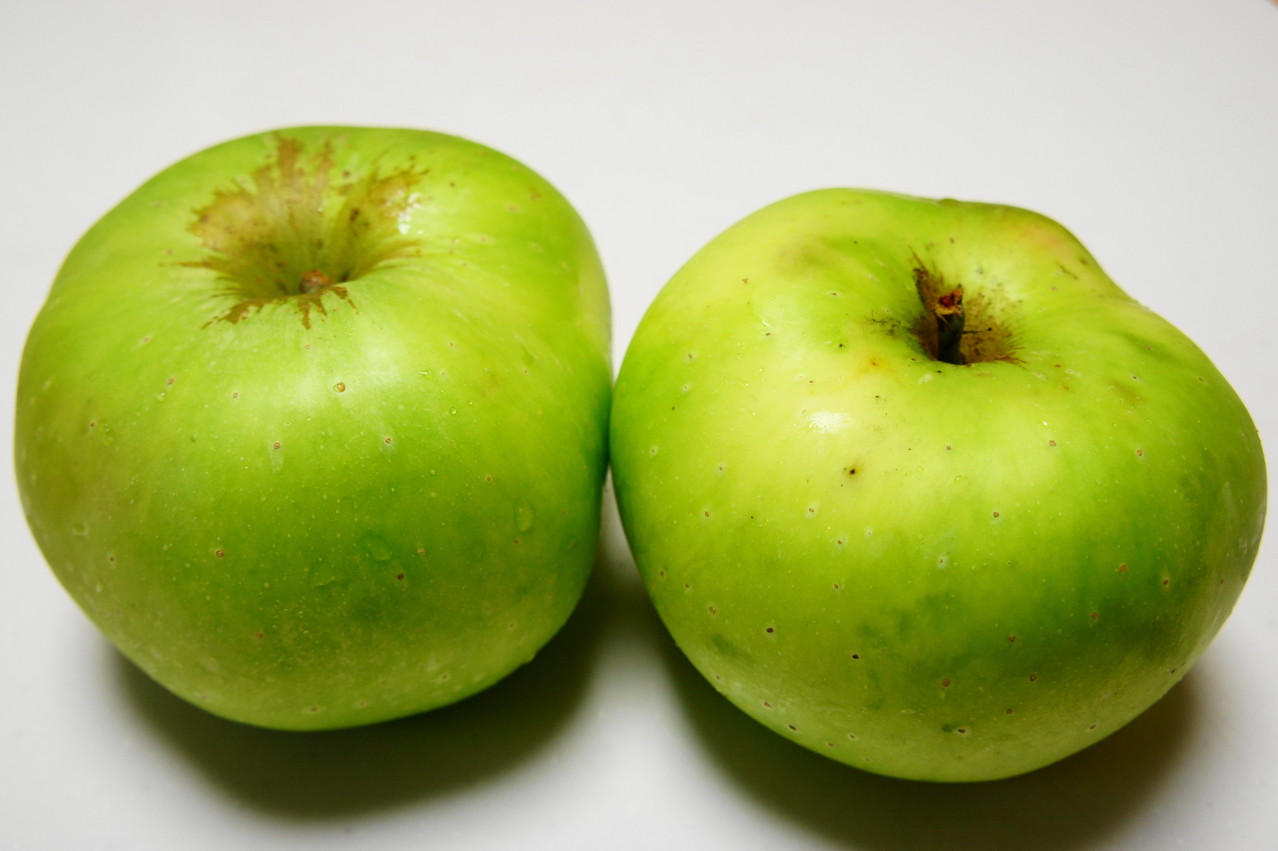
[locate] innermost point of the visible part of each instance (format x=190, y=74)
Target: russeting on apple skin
x=313, y=424
x=916, y=485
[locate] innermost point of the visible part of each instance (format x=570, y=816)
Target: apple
x=313, y=425
x=916, y=485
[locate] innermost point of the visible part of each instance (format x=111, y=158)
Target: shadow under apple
x=1073, y=803
x=338, y=773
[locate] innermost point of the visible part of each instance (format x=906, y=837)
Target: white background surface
x=1148, y=128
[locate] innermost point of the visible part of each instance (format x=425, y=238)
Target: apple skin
x=930, y=570
x=305, y=500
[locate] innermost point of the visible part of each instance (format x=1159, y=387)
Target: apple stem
x=949, y=326
x=314, y=280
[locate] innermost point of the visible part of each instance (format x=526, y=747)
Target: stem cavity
x=950, y=319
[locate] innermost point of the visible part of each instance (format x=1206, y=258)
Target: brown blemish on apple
x=294, y=234
x=1126, y=393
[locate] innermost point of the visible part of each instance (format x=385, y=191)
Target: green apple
x=917, y=486
x=313, y=424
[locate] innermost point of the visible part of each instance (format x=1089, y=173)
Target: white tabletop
x=1148, y=128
